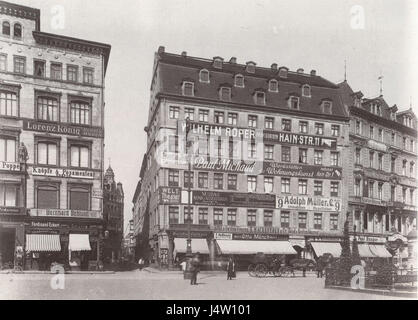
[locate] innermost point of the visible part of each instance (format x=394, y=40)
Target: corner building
x=268, y=161
x=51, y=143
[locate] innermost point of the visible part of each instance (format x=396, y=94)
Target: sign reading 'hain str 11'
x=62, y=128
x=299, y=139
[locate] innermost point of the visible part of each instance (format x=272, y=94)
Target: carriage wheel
x=261, y=270
x=251, y=270
x=277, y=272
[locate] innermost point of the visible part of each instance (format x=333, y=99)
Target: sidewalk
x=167, y=271
x=383, y=292
x=49, y=272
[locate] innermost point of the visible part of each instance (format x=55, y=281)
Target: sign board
x=219, y=130
x=309, y=203
x=257, y=236
x=301, y=171
x=10, y=166
x=368, y=239
x=62, y=173
x=12, y=210
x=63, y=213
x=232, y=199
x=227, y=165
x=62, y=129
x=97, y=193
x=169, y=195
x=194, y=234
x=222, y=236
x=288, y=138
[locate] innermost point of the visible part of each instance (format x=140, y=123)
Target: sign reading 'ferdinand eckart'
x=62, y=128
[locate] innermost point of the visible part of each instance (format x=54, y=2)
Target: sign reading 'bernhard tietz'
x=62, y=128
x=309, y=203
x=65, y=213
x=230, y=199
x=62, y=173
x=299, y=139
x=301, y=171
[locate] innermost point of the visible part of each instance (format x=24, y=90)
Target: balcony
x=66, y=213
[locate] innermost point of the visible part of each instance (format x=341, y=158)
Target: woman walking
x=230, y=269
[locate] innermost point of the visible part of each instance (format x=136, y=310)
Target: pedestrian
x=141, y=263
x=194, y=268
x=230, y=269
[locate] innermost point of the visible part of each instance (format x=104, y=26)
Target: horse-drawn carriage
x=297, y=265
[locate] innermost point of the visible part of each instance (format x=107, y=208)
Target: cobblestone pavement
x=163, y=286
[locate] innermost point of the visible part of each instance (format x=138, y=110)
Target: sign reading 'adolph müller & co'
x=309, y=203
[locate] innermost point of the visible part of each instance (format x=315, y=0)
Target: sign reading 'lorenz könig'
x=230, y=199
x=309, y=203
x=299, y=139
x=301, y=171
x=61, y=128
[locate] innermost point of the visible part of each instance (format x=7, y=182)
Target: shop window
x=7, y=149
x=79, y=197
x=39, y=68
x=9, y=194
x=80, y=155
x=47, y=108
x=72, y=73
x=80, y=112
x=47, y=152
x=47, y=196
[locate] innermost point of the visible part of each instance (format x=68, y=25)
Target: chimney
x=313, y=72
x=184, y=54
x=274, y=67
x=161, y=49
x=300, y=70
x=233, y=60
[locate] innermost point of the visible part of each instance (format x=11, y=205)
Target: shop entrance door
x=7, y=246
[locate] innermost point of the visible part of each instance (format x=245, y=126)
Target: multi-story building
x=51, y=142
x=113, y=206
x=268, y=159
x=382, y=188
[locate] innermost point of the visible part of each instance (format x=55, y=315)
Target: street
x=144, y=285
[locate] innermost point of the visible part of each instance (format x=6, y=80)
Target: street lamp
x=189, y=191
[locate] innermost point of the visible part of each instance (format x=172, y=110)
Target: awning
x=365, y=251
x=321, y=248
x=79, y=242
x=43, y=243
x=380, y=251
x=198, y=245
x=253, y=247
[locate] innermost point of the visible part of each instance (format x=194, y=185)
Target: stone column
x=170, y=252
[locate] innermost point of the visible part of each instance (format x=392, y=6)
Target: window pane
x=47, y=198
x=42, y=153
x=84, y=158
x=52, y=154
x=3, y=149
x=11, y=150
x=79, y=199
x=74, y=156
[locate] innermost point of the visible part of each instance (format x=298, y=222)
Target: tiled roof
x=174, y=69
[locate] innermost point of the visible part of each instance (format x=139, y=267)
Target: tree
x=345, y=262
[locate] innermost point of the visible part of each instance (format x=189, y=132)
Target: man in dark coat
x=194, y=268
x=230, y=269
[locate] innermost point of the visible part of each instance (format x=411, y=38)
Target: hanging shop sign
x=10, y=166
x=299, y=139
x=227, y=165
x=301, y=171
x=62, y=173
x=231, y=199
x=61, y=128
x=309, y=203
x=169, y=195
x=63, y=213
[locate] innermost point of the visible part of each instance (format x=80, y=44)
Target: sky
x=374, y=37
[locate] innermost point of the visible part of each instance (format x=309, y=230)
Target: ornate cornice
x=23, y=12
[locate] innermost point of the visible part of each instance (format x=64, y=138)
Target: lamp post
x=187, y=273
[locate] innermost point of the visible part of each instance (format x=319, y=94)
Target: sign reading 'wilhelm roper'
x=62, y=128
x=301, y=171
x=62, y=173
x=299, y=139
x=309, y=203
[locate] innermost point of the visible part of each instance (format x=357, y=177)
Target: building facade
x=382, y=188
x=267, y=152
x=51, y=142
x=113, y=206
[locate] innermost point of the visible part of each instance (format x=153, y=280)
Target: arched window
x=204, y=76
x=239, y=80
x=6, y=28
x=17, y=30
x=306, y=91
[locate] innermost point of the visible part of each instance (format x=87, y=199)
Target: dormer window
x=218, y=62
x=250, y=67
x=239, y=81
x=393, y=115
x=188, y=89
x=17, y=31
x=306, y=91
x=327, y=107
x=260, y=98
x=283, y=72
x=357, y=102
x=6, y=28
x=225, y=94
x=204, y=76
x=294, y=102
x=273, y=86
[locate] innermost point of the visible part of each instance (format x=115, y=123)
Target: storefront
x=317, y=246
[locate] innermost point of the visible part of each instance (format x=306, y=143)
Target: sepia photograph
x=221, y=151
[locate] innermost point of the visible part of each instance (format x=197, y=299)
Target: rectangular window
x=9, y=195
x=268, y=218
x=404, y=167
x=252, y=121
x=252, y=183
x=225, y=94
x=303, y=187
x=260, y=98
x=188, y=89
x=294, y=103
x=173, y=178
x=411, y=197
x=47, y=196
x=218, y=216
x=251, y=218
x=269, y=123
x=186, y=179
x=174, y=112
x=358, y=156
x=404, y=195
x=48, y=108
x=371, y=189
x=233, y=119
x=39, y=68
x=56, y=71
x=79, y=197
x=318, y=221
x=80, y=112
x=219, y=117
x=189, y=114
x=335, y=159
x=188, y=216
x=318, y=188
x=303, y=126
x=318, y=155
x=335, y=186
x=286, y=154
x=72, y=73
x=381, y=135
x=8, y=104
x=80, y=156
x=7, y=149
x=173, y=215
x=319, y=128
x=88, y=75
x=173, y=144
x=392, y=193
x=333, y=221
x=335, y=130
x=268, y=184
x=380, y=159
x=19, y=65
x=371, y=164
x=380, y=191
x=285, y=219
x=47, y=153
x=286, y=125
x=303, y=155
x=203, y=115
x=203, y=215
x=371, y=136
x=3, y=62
x=232, y=217
x=285, y=185
x=358, y=127
x=302, y=220
x=252, y=150
x=218, y=181
x=357, y=187
x=268, y=152
x=203, y=180
x=232, y=181
x=411, y=169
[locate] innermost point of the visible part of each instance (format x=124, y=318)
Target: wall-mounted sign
x=301, y=171
x=219, y=130
x=97, y=193
x=222, y=236
x=169, y=195
x=231, y=199
x=256, y=236
x=309, y=203
x=368, y=239
x=63, y=213
x=227, y=165
x=11, y=210
x=9, y=166
x=193, y=234
x=377, y=145
x=61, y=128
x=62, y=173
x=300, y=139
